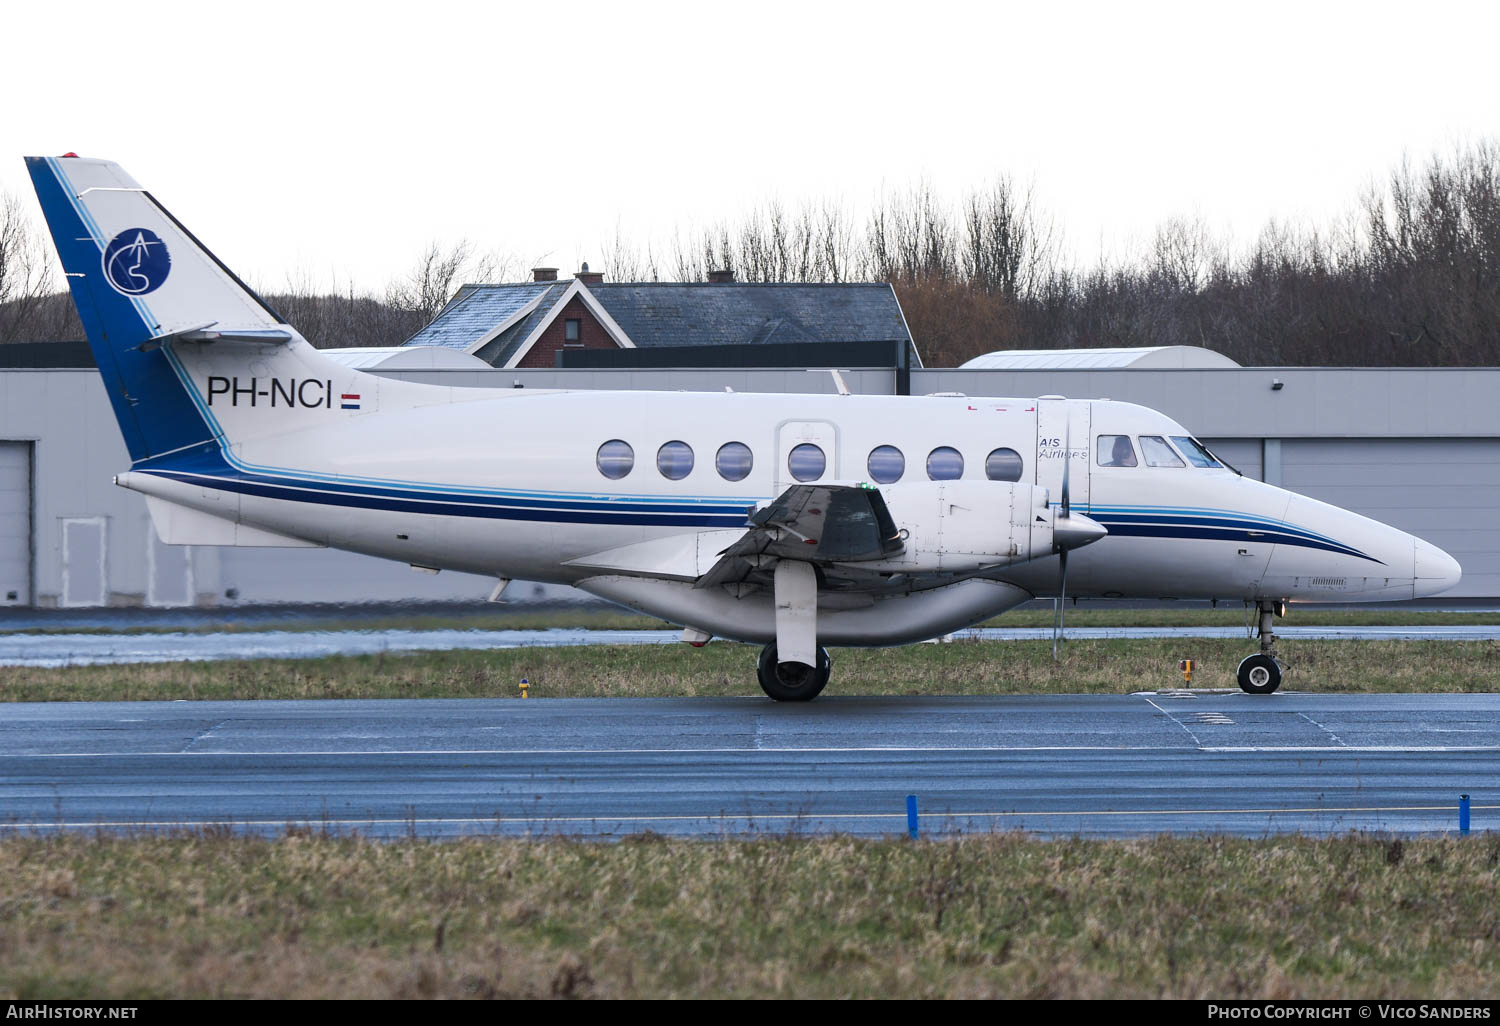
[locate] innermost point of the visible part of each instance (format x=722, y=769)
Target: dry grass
x=523, y=616
x=962, y=668
x=355, y=618
x=1002, y=915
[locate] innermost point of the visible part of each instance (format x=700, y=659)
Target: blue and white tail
x=192, y=358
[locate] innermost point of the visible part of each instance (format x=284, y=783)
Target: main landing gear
x=793, y=682
x=1260, y=674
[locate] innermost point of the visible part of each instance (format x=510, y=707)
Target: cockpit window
x=1115, y=451
x=1193, y=449
x=1158, y=453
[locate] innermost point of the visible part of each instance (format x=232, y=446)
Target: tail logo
x=136, y=262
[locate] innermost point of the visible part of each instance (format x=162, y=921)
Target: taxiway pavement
x=126, y=647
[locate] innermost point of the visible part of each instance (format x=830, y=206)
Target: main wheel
x=1259, y=674
x=792, y=682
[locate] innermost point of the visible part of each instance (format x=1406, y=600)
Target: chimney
x=589, y=277
x=544, y=274
x=722, y=276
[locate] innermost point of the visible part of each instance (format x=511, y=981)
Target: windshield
x=1193, y=449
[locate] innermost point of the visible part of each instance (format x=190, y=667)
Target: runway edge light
x=911, y=816
x=1463, y=813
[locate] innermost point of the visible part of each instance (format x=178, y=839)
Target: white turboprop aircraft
x=796, y=521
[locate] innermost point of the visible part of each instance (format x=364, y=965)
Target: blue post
x=1463, y=813
x=911, y=815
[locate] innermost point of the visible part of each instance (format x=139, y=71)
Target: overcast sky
x=336, y=139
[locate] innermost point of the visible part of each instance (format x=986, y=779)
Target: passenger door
x=1063, y=439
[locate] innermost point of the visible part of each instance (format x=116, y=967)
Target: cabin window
x=571, y=330
x=615, y=459
x=945, y=464
x=1158, y=453
x=1115, y=451
x=734, y=461
x=1003, y=465
x=1193, y=449
x=806, y=462
x=886, y=464
x=675, y=460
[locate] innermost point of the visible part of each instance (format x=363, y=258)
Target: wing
x=814, y=523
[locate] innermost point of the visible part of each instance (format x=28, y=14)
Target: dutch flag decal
x=351, y=401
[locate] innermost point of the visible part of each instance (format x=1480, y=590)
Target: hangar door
x=1244, y=454
x=15, y=524
x=1445, y=490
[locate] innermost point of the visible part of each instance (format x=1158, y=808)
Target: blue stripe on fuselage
x=560, y=509
x=1209, y=524
x=1251, y=528
x=1263, y=536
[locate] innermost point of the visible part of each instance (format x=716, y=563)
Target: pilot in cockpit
x=1120, y=452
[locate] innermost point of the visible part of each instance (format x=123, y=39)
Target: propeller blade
x=1062, y=599
x=1067, y=464
x=1062, y=552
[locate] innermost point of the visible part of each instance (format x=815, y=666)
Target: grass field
x=593, y=617
x=309, y=916
x=960, y=668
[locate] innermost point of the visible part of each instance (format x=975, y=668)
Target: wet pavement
x=1094, y=765
x=51, y=650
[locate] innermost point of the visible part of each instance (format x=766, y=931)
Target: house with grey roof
x=540, y=322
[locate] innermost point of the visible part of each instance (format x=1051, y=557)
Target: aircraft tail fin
x=140, y=281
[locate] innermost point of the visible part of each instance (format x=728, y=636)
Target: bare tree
x=27, y=273
x=1007, y=247
x=431, y=283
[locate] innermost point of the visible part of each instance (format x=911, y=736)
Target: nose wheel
x=1260, y=674
x=793, y=682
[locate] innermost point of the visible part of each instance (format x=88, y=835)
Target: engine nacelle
x=963, y=526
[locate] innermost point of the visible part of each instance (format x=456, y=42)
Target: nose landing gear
x=1260, y=674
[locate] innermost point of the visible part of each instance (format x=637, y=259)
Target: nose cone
x=1071, y=531
x=1435, y=570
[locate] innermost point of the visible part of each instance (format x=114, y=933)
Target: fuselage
x=526, y=484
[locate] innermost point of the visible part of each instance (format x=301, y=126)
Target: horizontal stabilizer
x=210, y=333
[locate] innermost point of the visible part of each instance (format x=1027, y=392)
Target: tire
x=1259, y=674
x=792, y=682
